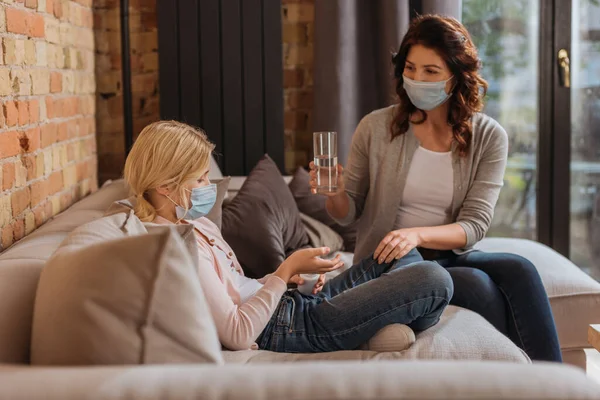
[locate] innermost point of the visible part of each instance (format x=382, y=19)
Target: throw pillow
x=262, y=223
x=314, y=206
x=320, y=235
x=132, y=298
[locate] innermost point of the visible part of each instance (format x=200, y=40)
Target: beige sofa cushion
x=460, y=335
x=20, y=268
x=574, y=296
x=126, y=298
x=418, y=380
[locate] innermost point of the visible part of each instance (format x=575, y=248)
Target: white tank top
x=427, y=197
x=247, y=287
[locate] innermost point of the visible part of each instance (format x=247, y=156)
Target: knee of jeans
x=434, y=274
x=520, y=266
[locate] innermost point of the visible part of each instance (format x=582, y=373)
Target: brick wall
x=298, y=37
x=144, y=79
x=47, y=141
x=297, y=30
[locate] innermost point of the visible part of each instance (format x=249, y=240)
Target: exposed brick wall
x=47, y=123
x=298, y=37
x=144, y=79
x=297, y=31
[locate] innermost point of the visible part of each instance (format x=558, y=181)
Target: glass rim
x=323, y=132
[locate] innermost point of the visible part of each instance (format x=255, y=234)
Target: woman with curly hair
x=426, y=174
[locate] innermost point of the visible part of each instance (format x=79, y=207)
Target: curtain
x=354, y=42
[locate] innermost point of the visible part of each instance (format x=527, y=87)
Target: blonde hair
x=165, y=153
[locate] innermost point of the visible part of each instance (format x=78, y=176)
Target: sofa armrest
x=326, y=380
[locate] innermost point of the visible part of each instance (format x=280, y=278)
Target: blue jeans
x=507, y=290
x=359, y=302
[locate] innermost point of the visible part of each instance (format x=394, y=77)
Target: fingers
x=322, y=266
x=395, y=253
x=319, y=285
x=311, y=165
x=404, y=250
x=388, y=238
x=297, y=279
x=382, y=245
x=313, y=179
x=389, y=250
x=315, y=252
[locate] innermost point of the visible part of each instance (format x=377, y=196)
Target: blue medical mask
x=426, y=95
x=202, y=200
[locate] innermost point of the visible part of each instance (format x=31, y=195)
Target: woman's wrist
x=283, y=272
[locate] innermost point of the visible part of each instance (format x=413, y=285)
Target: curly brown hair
x=451, y=40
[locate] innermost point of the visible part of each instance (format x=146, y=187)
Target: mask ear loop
x=173, y=201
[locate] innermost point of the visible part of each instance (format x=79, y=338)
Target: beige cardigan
x=377, y=169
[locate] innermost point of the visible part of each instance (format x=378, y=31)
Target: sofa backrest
x=21, y=264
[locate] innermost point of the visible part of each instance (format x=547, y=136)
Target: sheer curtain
x=354, y=42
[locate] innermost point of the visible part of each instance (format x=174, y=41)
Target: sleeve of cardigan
x=356, y=173
x=477, y=211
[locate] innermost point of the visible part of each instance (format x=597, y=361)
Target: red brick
x=82, y=171
x=50, y=6
x=17, y=21
x=56, y=182
x=39, y=192
x=31, y=3
x=73, y=106
x=50, y=107
x=63, y=131
x=48, y=209
x=293, y=78
x=55, y=82
x=23, y=107
x=19, y=201
x=30, y=140
x=58, y=11
x=9, y=144
x=8, y=176
x=295, y=120
x=7, y=236
x=11, y=113
x=18, y=229
x=302, y=100
x=34, y=111
x=29, y=163
x=49, y=134
x=36, y=26
x=73, y=128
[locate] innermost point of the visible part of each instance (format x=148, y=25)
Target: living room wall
x=297, y=32
x=47, y=124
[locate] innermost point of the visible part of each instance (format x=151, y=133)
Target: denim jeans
x=356, y=304
x=507, y=290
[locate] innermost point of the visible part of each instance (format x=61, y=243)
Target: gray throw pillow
x=262, y=223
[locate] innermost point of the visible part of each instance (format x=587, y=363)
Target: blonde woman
x=167, y=170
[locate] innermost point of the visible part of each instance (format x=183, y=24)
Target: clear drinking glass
x=325, y=149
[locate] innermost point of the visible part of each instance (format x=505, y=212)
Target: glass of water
x=325, y=149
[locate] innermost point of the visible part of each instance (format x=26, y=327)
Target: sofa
x=461, y=357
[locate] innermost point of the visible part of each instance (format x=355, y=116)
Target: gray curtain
x=354, y=42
